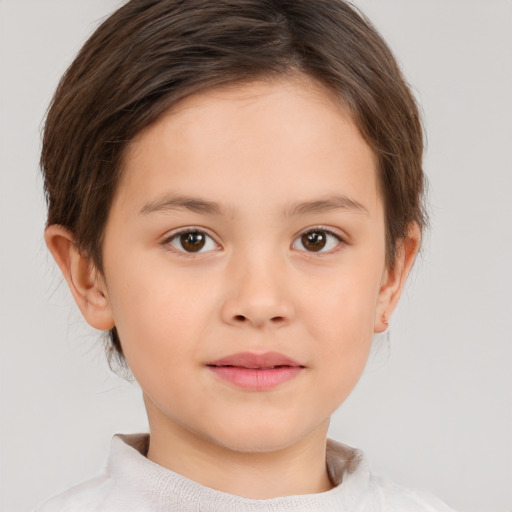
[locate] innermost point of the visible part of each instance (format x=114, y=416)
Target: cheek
x=343, y=300
x=340, y=318
x=159, y=316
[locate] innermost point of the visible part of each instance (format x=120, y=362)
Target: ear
x=393, y=279
x=85, y=282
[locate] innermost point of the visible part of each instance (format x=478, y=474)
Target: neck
x=296, y=469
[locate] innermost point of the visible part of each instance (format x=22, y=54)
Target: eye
x=317, y=240
x=193, y=241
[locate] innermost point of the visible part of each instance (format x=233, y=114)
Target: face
x=244, y=263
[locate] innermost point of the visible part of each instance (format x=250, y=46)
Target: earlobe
x=394, y=279
x=84, y=281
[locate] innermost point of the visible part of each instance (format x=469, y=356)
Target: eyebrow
x=194, y=204
x=205, y=207
x=337, y=202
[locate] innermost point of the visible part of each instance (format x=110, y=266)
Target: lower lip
x=255, y=379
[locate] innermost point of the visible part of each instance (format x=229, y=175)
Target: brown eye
x=314, y=240
x=192, y=242
x=317, y=240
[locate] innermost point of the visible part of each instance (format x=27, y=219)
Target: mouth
x=256, y=372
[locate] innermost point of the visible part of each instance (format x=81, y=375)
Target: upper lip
x=250, y=360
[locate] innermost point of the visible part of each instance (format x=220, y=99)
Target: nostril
x=275, y=320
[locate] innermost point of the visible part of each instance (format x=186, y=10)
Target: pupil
x=314, y=240
x=192, y=242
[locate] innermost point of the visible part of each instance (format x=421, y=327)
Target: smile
x=256, y=372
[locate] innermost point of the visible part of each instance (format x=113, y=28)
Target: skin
x=256, y=150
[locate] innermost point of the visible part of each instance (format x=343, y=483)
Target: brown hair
x=150, y=54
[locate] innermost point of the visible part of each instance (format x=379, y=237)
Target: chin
x=260, y=437
x=257, y=445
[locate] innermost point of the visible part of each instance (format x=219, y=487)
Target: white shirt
x=132, y=483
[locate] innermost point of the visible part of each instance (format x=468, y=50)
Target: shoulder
x=100, y=494
x=80, y=497
x=111, y=490
x=350, y=471
x=393, y=497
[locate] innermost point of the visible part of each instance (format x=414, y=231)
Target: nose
x=258, y=295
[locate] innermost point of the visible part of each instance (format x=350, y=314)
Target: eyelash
x=189, y=230
x=321, y=229
x=315, y=229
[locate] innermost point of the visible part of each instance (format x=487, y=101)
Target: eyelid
x=330, y=231
x=188, y=229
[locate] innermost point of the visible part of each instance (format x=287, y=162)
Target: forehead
x=291, y=136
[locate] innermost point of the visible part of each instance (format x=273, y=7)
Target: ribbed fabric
x=132, y=483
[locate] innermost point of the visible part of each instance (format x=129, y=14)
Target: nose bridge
x=258, y=292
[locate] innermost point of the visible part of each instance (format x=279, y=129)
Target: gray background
x=433, y=410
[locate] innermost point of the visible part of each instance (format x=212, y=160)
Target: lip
x=256, y=372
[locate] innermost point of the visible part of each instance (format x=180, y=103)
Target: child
x=235, y=195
